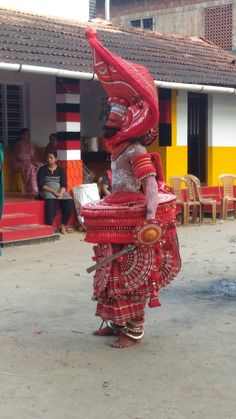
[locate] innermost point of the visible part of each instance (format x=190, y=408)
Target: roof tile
x=52, y=42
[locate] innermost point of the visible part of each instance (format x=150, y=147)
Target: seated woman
x=105, y=184
x=52, y=145
x=52, y=188
x=23, y=161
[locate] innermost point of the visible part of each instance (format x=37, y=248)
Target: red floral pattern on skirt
x=117, y=304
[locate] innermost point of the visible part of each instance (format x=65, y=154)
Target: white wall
x=182, y=118
x=43, y=108
x=40, y=103
x=210, y=120
x=70, y=9
x=40, y=106
x=223, y=121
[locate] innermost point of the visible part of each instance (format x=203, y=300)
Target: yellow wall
x=162, y=151
x=220, y=160
x=177, y=161
x=177, y=164
x=174, y=158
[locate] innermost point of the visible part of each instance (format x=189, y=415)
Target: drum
x=113, y=219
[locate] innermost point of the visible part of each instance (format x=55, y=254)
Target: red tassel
x=155, y=277
x=154, y=300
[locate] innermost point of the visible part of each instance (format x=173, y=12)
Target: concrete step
x=12, y=220
x=32, y=207
x=24, y=232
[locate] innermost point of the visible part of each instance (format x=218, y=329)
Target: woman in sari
x=23, y=161
x=1, y=184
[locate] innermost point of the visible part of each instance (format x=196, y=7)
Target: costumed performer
x=135, y=214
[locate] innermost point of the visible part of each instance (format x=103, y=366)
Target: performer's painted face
x=116, y=118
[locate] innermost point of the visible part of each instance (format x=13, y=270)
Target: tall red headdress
x=131, y=90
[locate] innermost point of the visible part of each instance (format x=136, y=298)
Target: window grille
x=92, y=9
x=218, y=25
x=148, y=24
x=136, y=23
x=143, y=23
x=11, y=112
x=194, y=120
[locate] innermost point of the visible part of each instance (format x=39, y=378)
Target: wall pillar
x=174, y=157
x=68, y=129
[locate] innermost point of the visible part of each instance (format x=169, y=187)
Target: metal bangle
x=133, y=336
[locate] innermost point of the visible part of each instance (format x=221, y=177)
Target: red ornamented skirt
x=122, y=287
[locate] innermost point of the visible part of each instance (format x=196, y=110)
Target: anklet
x=135, y=337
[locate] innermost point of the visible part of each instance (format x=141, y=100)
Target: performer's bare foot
x=125, y=342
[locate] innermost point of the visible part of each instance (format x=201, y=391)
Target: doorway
x=197, y=135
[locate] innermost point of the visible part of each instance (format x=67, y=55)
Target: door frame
x=201, y=128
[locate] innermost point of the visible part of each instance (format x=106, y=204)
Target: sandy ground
x=52, y=367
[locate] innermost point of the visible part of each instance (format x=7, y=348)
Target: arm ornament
x=142, y=166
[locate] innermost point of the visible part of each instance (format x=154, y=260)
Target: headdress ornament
x=131, y=90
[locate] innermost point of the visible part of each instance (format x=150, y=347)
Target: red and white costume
x=140, y=209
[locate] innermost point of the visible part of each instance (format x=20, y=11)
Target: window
x=219, y=25
x=11, y=112
x=92, y=9
x=143, y=23
x=136, y=23
x=148, y=24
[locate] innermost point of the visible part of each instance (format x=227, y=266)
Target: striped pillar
x=68, y=129
x=165, y=131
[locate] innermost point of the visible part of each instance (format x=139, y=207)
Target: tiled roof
x=53, y=42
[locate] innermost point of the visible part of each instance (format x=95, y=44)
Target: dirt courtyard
x=51, y=367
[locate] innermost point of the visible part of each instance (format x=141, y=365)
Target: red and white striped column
x=68, y=129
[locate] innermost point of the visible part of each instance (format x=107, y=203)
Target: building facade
x=47, y=84
x=214, y=21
